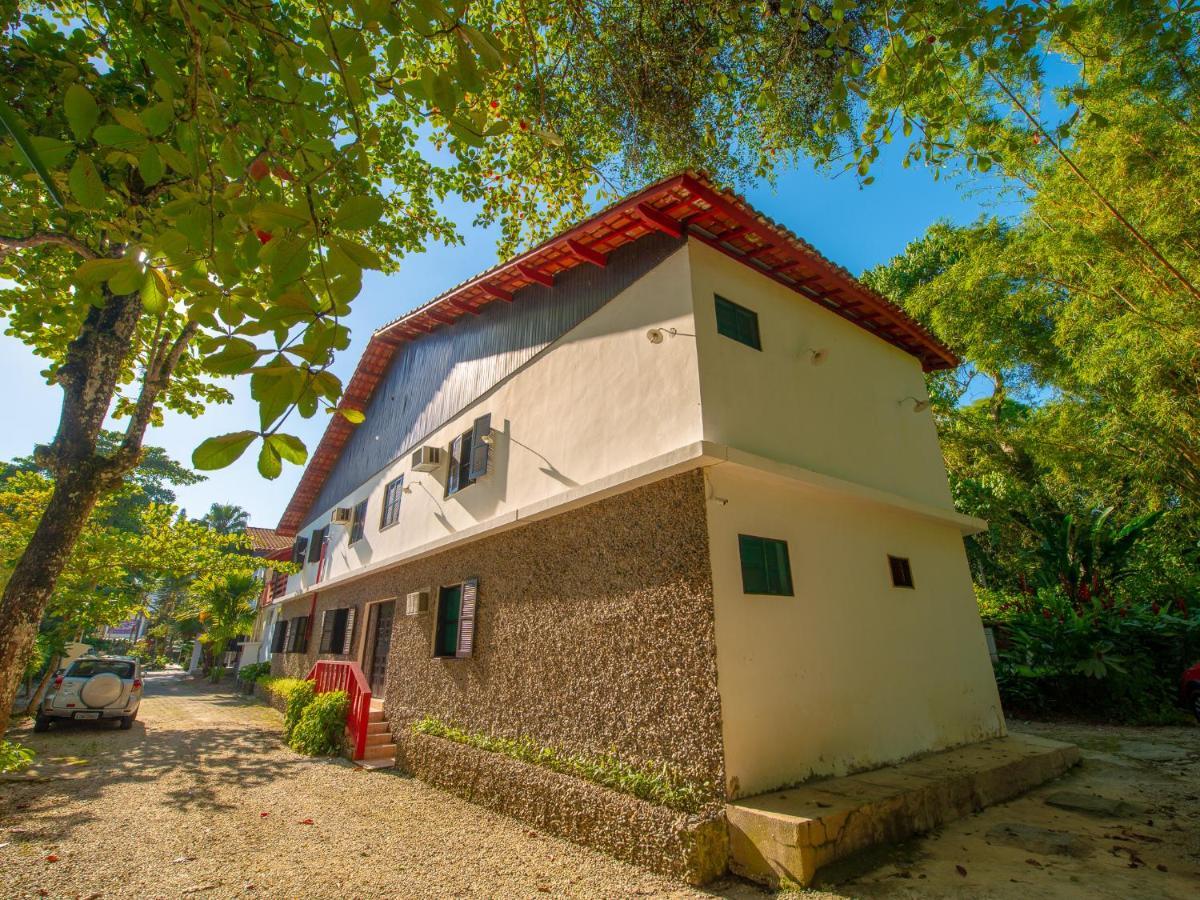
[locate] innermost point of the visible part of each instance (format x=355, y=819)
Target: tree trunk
x=36, y=697
x=88, y=377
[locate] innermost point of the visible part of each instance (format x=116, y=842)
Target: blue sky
x=857, y=228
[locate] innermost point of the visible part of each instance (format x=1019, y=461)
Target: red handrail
x=342, y=675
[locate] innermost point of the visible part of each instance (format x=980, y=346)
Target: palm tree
x=227, y=518
x=227, y=609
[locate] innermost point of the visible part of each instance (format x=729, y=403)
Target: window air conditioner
x=426, y=459
x=343, y=515
x=416, y=602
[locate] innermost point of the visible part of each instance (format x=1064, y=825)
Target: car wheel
x=127, y=722
x=41, y=723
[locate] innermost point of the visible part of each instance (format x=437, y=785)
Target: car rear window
x=86, y=668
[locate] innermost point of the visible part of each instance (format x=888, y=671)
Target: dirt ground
x=200, y=799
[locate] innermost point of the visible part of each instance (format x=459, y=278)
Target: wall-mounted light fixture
x=656, y=335
x=919, y=405
x=489, y=438
x=816, y=355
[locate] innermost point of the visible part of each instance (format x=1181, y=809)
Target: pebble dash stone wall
x=594, y=634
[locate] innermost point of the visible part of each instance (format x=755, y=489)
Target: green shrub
x=14, y=757
x=280, y=686
x=322, y=725
x=299, y=696
x=254, y=672
x=1115, y=661
x=216, y=673
x=653, y=782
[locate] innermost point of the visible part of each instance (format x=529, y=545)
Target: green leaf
x=288, y=259
x=158, y=118
x=82, y=111
x=95, y=271
x=128, y=278
x=353, y=416
x=219, y=452
x=364, y=256
x=150, y=164
x=359, y=212
x=289, y=447
x=278, y=215
x=118, y=136
x=237, y=356
x=275, y=388
x=86, y=185
x=491, y=54
x=26, y=150
x=269, y=464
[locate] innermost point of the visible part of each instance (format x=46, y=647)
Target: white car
x=94, y=687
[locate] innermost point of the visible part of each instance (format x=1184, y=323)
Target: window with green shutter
x=737, y=322
x=454, y=628
x=765, y=566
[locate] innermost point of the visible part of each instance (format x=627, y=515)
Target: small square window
x=737, y=322
x=901, y=571
x=765, y=566
x=392, y=494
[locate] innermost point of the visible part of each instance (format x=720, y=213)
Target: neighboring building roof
x=683, y=204
x=267, y=540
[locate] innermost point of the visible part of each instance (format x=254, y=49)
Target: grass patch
x=654, y=782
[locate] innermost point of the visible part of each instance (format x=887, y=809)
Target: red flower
x=263, y=236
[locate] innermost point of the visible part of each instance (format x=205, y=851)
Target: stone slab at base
x=787, y=835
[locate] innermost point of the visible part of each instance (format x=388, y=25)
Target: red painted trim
x=660, y=220
x=536, y=275
x=587, y=254
x=492, y=291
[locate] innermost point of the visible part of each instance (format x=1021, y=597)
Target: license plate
x=87, y=715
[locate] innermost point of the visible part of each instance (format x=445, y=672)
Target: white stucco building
x=666, y=484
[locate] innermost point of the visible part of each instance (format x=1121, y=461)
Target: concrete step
x=380, y=751
x=376, y=740
x=378, y=728
x=376, y=715
x=789, y=834
x=376, y=704
x=385, y=763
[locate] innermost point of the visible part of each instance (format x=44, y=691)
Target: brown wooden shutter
x=328, y=618
x=348, y=633
x=466, y=617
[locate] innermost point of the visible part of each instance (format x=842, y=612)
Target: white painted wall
x=598, y=400
x=851, y=672
x=842, y=417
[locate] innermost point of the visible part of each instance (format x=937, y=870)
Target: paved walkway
x=200, y=799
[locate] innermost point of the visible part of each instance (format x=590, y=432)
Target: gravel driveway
x=200, y=799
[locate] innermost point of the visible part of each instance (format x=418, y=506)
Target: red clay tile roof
x=683, y=204
x=268, y=539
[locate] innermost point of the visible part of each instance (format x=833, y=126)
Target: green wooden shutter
x=754, y=566
x=298, y=550
x=480, y=447
x=466, y=618
x=314, y=544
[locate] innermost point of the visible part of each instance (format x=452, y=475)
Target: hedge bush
x=299, y=696
x=322, y=725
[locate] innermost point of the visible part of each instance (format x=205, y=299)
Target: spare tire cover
x=101, y=690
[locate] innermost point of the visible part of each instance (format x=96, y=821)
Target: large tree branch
x=158, y=375
x=43, y=238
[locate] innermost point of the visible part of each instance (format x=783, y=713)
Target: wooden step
x=380, y=751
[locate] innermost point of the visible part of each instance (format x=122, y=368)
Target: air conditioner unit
x=416, y=602
x=343, y=515
x=426, y=459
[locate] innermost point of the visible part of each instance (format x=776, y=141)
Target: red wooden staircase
x=367, y=730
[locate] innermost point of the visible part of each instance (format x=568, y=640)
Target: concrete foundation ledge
x=693, y=848
x=787, y=835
